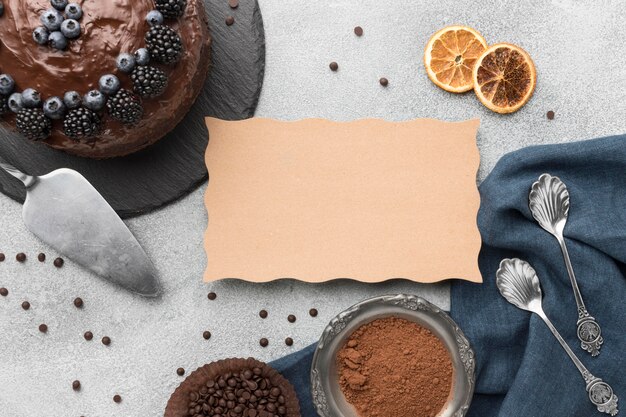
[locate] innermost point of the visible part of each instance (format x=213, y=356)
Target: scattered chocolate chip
x=41, y=257
x=88, y=335
x=333, y=66
x=78, y=302
x=233, y=4
x=264, y=342
x=180, y=371
x=76, y=385
x=117, y=398
x=4, y=292
x=212, y=296
x=20, y=257
x=230, y=20
x=58, y=262
x=2, y=257
x=25, y=305
x=43, y=328
x=358, y=31
x=206, y=334
x=313, y=312
x=263, y=314
x=106, y=340
x=550, y=115
x=384, y=82
x=291, y=318
x=289, y=341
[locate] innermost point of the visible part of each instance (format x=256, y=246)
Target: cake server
x=549, y=204
x=519, y=284
x=65, y=211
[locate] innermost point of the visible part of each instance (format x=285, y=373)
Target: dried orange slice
x=504, y=78
x=450, y=56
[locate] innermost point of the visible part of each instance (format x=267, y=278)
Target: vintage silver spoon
x=549, y=204
x=519, y=284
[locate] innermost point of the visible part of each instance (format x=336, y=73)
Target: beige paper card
x=316, y=200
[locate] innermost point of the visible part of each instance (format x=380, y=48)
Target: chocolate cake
x=100, y=78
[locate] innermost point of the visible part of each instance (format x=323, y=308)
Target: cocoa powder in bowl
x=395, y=367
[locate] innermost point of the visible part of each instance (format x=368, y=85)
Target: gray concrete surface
x=579, y=52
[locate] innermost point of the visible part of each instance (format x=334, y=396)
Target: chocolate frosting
x=109, y=27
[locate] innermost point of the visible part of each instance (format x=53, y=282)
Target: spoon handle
x=28, y=180
x=588, y=330
x=600, y=393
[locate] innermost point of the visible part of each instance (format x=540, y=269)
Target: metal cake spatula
x=65, y=211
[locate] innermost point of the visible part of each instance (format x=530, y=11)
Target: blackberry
x=171, y=9
x=81, y=123
x=164, y=44
x=125, y=107
x=4, y=105
x=33, y=124
x=148, y=81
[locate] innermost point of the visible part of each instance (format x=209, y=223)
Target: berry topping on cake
x=72, y=99
x=125, y=62
x=70, y=28
x=40, y=35
x=171, y=9
x=7, y=85
x=125, y=106
x=4, y=105
x=33, y=124
x=164, y=44
x=154, y=18
x=16, y=102
x=57, y=40
x=148, y=81
x=54, y=108
x=59, y=4
x=142, y=56
x=81, y=123
x=94, y=100
x=109, y=84
x=31, y=97
x=73, y=11
x=52, y=19
x=1, y=8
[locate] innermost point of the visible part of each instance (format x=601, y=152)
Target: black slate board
x=174, y=166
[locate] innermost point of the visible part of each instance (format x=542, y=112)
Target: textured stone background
x=579, y=52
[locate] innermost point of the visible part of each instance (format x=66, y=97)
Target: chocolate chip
x=264, y=342
x=211, y=296
x=76, y=385
x=180, y=371
x=263, y=314
x=206, y=334
x=20, y=257
x=4, y=292
x=117, y=398
x=106, y=340
x=78, y=302
x=41, y=257
x=550, y=115
x=384, y=82
x=289, y=341
x=230, y=20
x=25, y=305
x=358, y=31
x=333, y=66
x=88, y=335
x=58, y=262
x=291, y=318
x=43, y=328
x=2, y=257
x=233, y=4
x=313, y=312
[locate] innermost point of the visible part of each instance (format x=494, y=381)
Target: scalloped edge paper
x=317, y=200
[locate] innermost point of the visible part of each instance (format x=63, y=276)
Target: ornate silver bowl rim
x=327, y=396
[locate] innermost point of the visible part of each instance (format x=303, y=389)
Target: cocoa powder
x=395, y=367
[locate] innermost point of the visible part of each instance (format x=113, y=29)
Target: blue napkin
x=521, y=370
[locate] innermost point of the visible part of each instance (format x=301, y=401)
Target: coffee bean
x=25, y=305
x=106, y=340
x=230, y=20
x=550, y=115
x=358, y=31
x=289, y=341
x=263, y=314
x=2, y=257
x=78, y=302
x=88, y=335
x=117, y=398
x=233, y=4
x=20, y=257
x=333, y=66
x=264, y=342
x=41, y=257
x=206, y=334
x=291, y=318
x=43, y=328
x=384, y=82
x=4, y=292
x=211, y=296
x=58, y=262
x=313, y=312
x=76, y=385
x=180, y=371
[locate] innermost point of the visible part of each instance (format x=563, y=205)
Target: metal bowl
x=327, y=395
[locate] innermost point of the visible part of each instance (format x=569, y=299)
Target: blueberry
x=52, y=19
x=31, y=98
x=154, y=18
x=54, y=108
x=94, y=100
x=73, y=11
x=7, y=85
x=1, y=8
x=142, y=56
x=57, y=40
x=59, y=4
x=109, y=84
x=40, y=35
x=125, y=62
x=16, y=102
x=72, y=99
x=70, y=28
